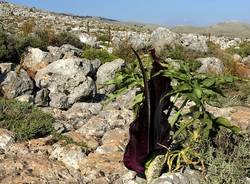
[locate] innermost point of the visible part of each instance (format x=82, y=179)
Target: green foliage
x=130, y=78
x=238, y=93
x=24, y=120
x=191, y=127
x=180, y=53
x=123, y=50
x=12, y=47
x=3, y=44
x=227, y=159
x=67, y=38
x=8, y=52
x=225, y=56
x=103, y=37
x=102, y=55
x=243, y=50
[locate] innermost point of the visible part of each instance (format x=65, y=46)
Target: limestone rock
x=17, y=84
x=42, y=98
x=71, y=155
x=194, y=42
x=135, y=39
x=35, y=60
x=107, y=72
x=6, y=139
x=237, y=58
x=25, y=98
x=6, y=67
x=211, y=65
x=37, y=169
x=189, y=176
x=69, y=51
x=111, y=142
x=88, y=40
x=246, y=61
x=77, y=137
x=162, y=37
x=95, y=126
x=83, y=110
x=226, y=43
x=68, y=81
x=242, y=70
x=108, y=164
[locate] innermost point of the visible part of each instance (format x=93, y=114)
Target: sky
x=164, y=12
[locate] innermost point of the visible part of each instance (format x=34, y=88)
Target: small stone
x=42, y=98
x=6, y=140
x=96, y=126
x=71, y=155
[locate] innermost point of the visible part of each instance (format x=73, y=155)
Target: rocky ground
x=61, y=82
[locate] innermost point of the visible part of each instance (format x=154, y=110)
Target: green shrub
x=3, y=44
x=23, y=42
x=67, y=38
x=24, y=120
x=243, y=50
x=103, y=37
x=180, y=53
x=227, y=159
x=123, y=50
x=8, y=51
x=100, y=54
x=224, y=55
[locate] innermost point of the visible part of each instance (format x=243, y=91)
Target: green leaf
x=197, y=91
x=174, y=118
x=209, y=82
x=138, y=99
x=221, y=121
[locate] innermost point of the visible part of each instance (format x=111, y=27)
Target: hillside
x=229, y=29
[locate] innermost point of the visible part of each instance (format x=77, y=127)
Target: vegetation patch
x=227, y=159
x=243, y=49
x=26, y=121
x=101, y=54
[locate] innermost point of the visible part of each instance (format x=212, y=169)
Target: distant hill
x=229, y=29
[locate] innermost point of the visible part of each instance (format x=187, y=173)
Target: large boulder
x=162, y=37
x=136, y=40
x=68, y=81
x=194, y=42
x=107, y=72
x=211, y=65
x=35, y=60
x=16, y=84
x=65, y=51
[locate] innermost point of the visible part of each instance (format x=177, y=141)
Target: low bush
x=243, y=50
x=180, y=53
x=67, y=38
x=103, y=55
x=227, y=159
x=123, y=50
x=24, y=120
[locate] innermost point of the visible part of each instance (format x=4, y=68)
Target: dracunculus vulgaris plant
x=163, y=125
